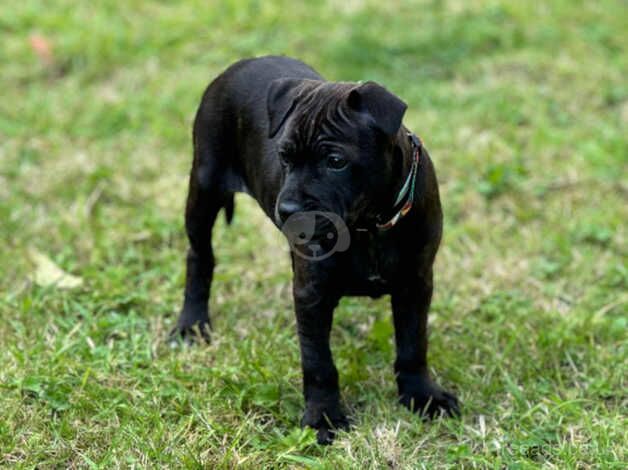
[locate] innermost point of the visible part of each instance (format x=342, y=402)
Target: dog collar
x=407, y=190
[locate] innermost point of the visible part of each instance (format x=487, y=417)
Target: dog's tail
x=229, y=207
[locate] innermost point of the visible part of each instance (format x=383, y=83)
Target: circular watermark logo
x=316, y=235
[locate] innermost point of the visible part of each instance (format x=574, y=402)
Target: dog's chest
x=373, y=264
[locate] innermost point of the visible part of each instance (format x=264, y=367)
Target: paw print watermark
x=316, y=235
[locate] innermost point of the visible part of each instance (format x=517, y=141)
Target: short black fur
x=267, y=127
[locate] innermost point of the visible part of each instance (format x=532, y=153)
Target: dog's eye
x=336, y=163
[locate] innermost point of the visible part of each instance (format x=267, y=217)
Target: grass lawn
x=524, y=108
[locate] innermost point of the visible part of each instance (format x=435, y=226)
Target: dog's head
x=337, y=146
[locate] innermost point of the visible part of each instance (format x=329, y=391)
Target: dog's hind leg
x=206, y=197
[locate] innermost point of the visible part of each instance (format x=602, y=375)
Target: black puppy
x=337, y=153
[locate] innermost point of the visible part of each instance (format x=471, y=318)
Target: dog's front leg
x=314, y=304
x=410, y=305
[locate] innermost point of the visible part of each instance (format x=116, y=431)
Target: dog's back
x=238, y=95
x=231, y=125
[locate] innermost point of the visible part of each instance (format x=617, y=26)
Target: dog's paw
x=326, y=420
x=191, y=333
x=430, y=400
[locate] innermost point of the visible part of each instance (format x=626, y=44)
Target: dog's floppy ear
x=280, y=102
x=385, y=108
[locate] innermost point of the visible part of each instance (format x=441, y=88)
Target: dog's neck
x=402, y=197
x=405, y=140
x=405, y=193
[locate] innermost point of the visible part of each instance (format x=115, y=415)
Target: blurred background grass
x=524, y=108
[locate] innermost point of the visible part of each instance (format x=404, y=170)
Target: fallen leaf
x=42, y=48
x=47, y=273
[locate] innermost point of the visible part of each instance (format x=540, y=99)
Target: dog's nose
x=288, y=208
